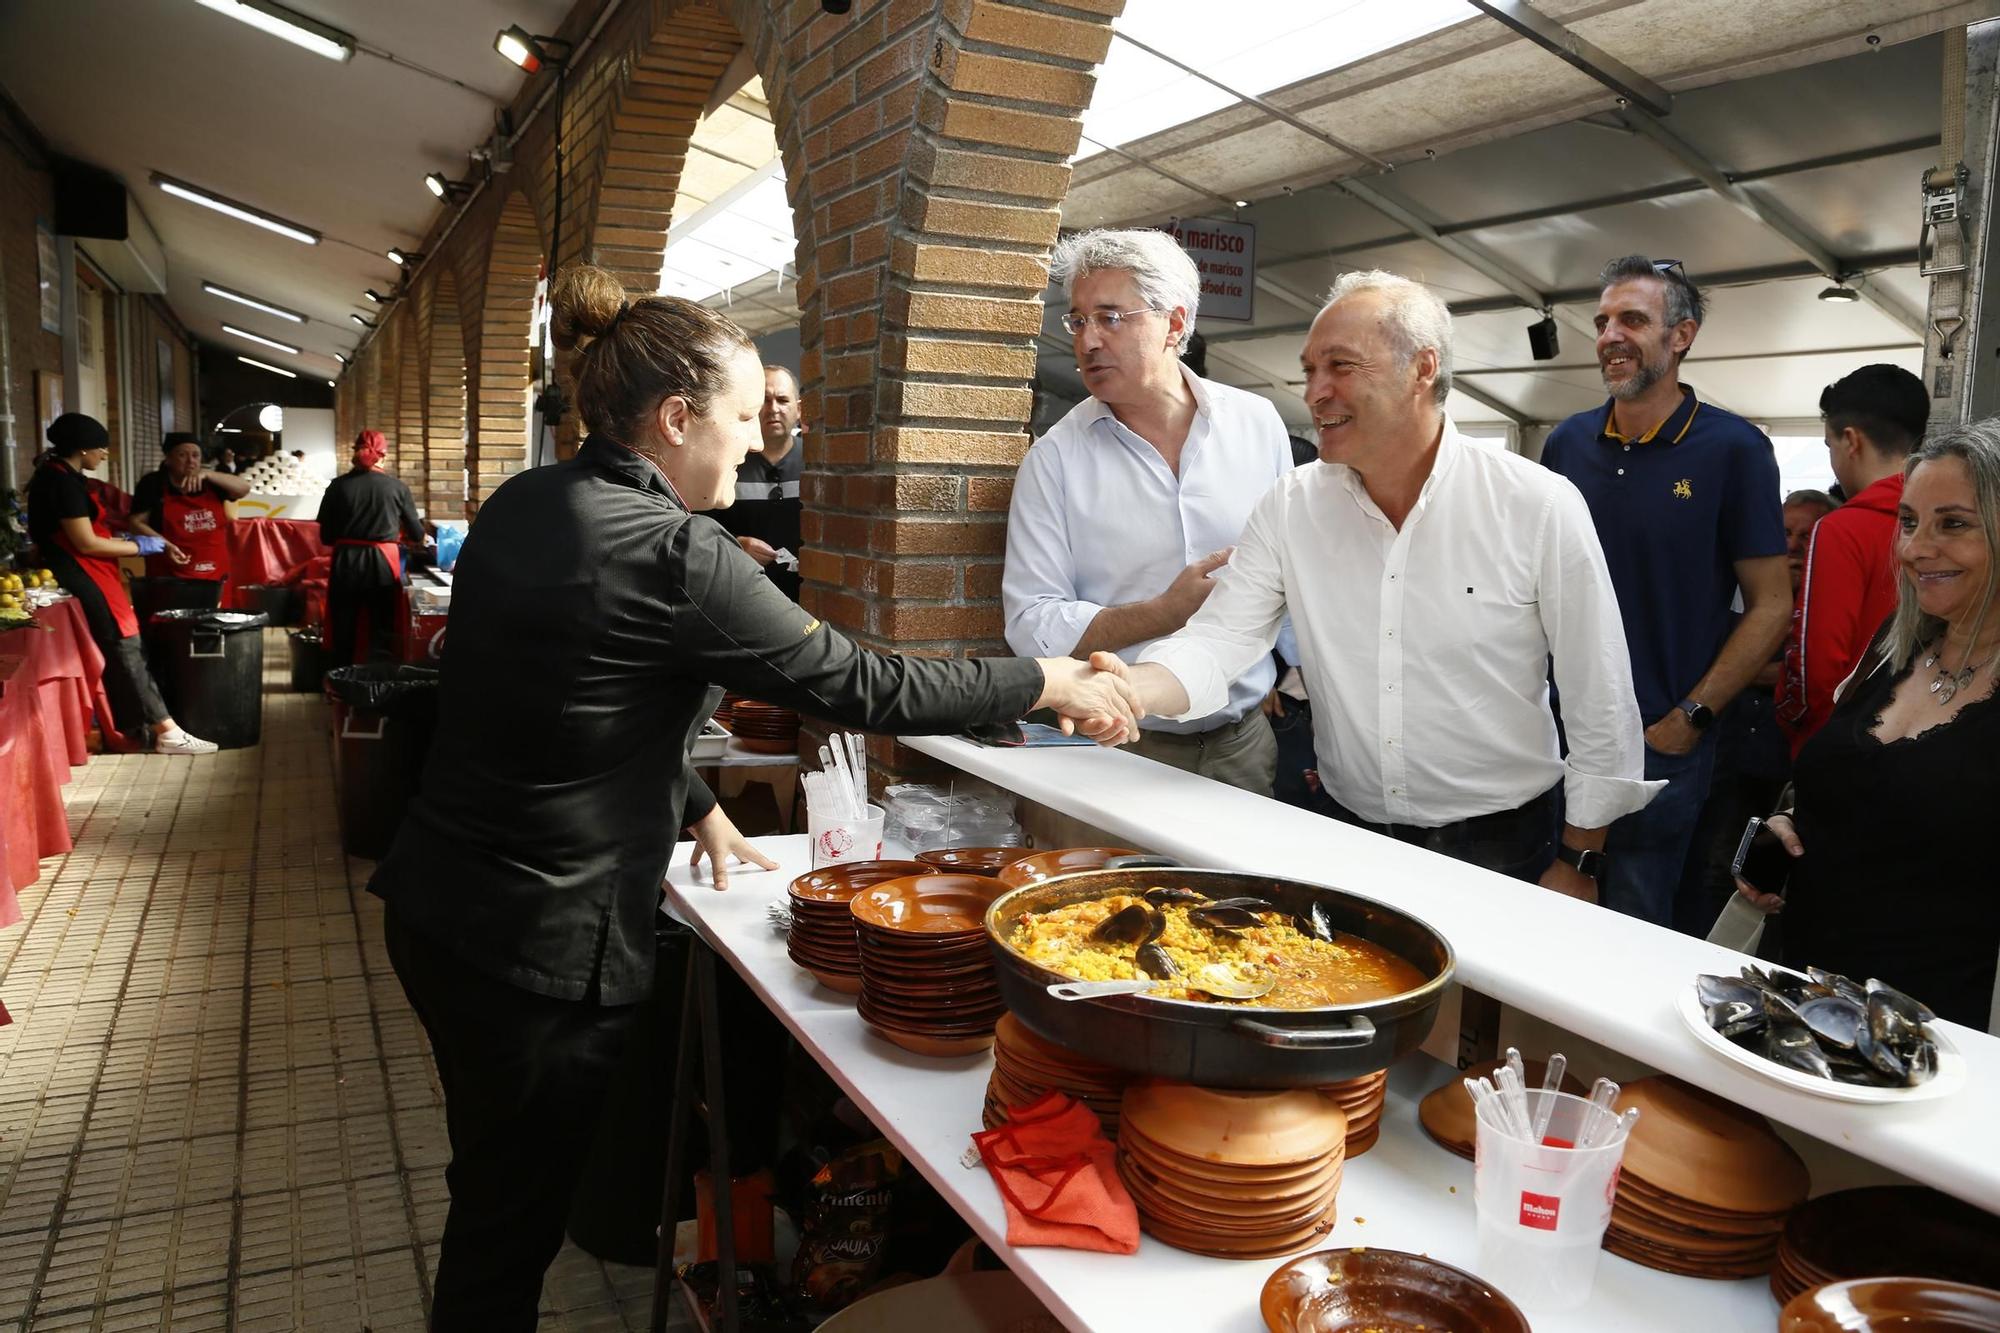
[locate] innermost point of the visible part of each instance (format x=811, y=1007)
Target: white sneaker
x=180, y=742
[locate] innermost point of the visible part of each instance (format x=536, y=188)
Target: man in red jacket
x=1874, y=417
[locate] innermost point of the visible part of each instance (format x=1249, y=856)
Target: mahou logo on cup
x=1539, y=1210
x=836, y=842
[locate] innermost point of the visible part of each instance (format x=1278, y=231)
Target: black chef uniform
x=592, y=618
x=768, y=508
x=360, y=517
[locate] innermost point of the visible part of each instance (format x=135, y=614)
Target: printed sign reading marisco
x=1225, y=255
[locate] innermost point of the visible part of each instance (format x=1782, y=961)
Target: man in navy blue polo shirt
x=1685, y=498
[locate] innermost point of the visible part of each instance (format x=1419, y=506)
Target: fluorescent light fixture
x=275, y=370
x=287, y=25
x=362, y=322
x=376, y=296
x=437, y=184
x=229, y=430
x=260, y=338
x=241, y=212
x=518, y=47
x=214, y=289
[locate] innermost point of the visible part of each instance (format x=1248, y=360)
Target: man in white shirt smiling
x=1124, y=510
x=1430, y=581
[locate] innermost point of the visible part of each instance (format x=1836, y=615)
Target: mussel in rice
x=1156, y=962
x=1229, y=915
x=1315, y=923
x=1173, y=896
x=1127, y=925
x=1834, y=1020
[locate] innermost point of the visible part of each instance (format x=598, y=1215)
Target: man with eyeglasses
x=1124, y=513
x=1685, y=499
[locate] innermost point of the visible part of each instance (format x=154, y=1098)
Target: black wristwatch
x=1699, y=715
x=1584, y=861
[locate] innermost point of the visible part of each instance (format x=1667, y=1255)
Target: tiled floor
x=216, y=1109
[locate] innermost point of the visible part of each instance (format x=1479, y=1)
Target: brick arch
x=671, y=78
x=387, y=345
x=441, y=346
x=407, y=452
x=505, y=381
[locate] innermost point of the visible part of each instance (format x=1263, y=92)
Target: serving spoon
x=1215, y=979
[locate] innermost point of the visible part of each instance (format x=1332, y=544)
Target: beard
x=1645, y=374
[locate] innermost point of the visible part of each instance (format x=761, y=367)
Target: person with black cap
x=186, y=504
x=68, y=525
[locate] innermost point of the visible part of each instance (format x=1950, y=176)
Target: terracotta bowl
x=974, y=860
x=836, y=885
x=1199, y=1241
x=1059, y=861
x=1387, y=1289
x=1284, y=1178
x=1899, y=1230
x=928, y=904
x=1692, y=1144
x=1446, y=1111
x=1242, y=1128
x=1905, y=1304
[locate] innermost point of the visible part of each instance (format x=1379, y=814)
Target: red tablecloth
x=264, y=550
x=51, y=680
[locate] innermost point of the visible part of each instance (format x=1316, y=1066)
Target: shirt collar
x=627, y=464
x=1672, y=430
x=1450, y=446
x=1095, y=409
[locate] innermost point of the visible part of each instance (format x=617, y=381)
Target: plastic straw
x=1602, y=1094
x=857, y=751
x=1513, y=1101
x=1551, y=1084
x=843, y=780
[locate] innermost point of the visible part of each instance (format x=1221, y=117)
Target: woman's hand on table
x=1100, y=704
x=716, y=836
x=1788, y=834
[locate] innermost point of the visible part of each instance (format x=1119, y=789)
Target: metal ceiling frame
x=1592, y=60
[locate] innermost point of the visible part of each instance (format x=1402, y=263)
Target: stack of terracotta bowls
x=764, y=728
x=974, y=860
x=1059, y=861
x=1885, y=1230
x=927, y=980
x=1706, y=1186
x=1446, y=1111
x=1237, y=1175
x=822, y=939
x=1026, y=1068
x=1361, y=1100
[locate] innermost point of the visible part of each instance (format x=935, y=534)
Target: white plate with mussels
x=1824, y=1035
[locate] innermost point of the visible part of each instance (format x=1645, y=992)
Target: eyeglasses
x=1664, y=267
x=1110, y=321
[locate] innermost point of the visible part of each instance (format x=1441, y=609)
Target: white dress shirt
x=1426, y=650
x=1099, y=520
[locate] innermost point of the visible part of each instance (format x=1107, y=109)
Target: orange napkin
x=1058, y=1178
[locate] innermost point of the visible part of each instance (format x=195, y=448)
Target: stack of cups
x=1543, y=1206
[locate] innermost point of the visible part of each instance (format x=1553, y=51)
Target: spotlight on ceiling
x=287, y=25
x=1839, y=292
x=529, y=50
x=271, y=417
x=1243, y=203
x=338, y=357
x=376, y=296
x=364, y=323
x=1543, y=343
x=438, y=184
x=402, y=258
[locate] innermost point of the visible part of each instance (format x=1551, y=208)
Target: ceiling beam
x=1777, y=218
x=1150, y=165
x=1590, y=59
x=1479, y=395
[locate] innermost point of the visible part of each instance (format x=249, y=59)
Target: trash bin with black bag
x=383, y=719
x=169, y=594
x=210, y=669
x=309, y=660
x=275, y=600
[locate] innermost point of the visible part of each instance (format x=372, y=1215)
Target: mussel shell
x=1735, y=1018
x=1156, y=962
x=1781, y=1010
x=1245, y=903
x=1712, y=990
x=1892, y=1017
x=1223, y=917
x=1915, y=1011
x=1923, y=1064
x=1880, y=1056
x=1316, y=923
x=1127, y=925
x=1792, y=1044
x=1844, y=987
x=1834, y=1020
x=1166, y=895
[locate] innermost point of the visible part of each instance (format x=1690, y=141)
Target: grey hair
x=1977, y=445
x=1164, y=274
x=1415, y=317
x=1809, y=496
x=1684, y=300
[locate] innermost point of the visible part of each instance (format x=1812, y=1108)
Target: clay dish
x=975, y=860
x=1387, y=1289
x=944, y=904
x=1034, y=869
x=1446, y=1111
x=1289, y=1179
x=934, y=1047
x=1254, y=1197
x=1238, y=1128
x=1693, y=1144
x=1198, y=1242
x=1895, y=1230
x=833, y=886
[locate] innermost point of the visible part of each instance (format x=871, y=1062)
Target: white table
x=1406, y=1193
x=1609, y=978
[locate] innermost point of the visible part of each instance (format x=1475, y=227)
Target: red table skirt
x=51, y=680
x=264, y=550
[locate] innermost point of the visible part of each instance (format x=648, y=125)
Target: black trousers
x=524, y=1081
x=361, y=591
x=1520, y=843
x=135, y=699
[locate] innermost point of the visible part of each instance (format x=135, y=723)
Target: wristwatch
x=1699, y=715
x=1584, y=861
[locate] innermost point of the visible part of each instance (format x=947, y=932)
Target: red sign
x=1539, y=1210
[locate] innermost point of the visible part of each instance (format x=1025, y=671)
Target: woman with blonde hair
x=595, y=611
x=1894, y=797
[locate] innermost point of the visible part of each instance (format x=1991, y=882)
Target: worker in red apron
x=69, y=528
x=362, y=516
x=186, y=504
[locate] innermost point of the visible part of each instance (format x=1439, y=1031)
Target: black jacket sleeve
x=413, y=527
x=735, y=629
x=333, y=515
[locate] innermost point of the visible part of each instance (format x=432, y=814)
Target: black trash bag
x=209, y=666
x=389, y=688
x=212, y=622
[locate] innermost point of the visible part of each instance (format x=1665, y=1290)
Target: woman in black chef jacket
x=186, y=504
x=68, y=526
x=361, y=516
x=595, y=612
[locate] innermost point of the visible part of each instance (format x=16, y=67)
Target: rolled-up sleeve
x=1237, y=625
x=1605, y=770
x=1045, y=617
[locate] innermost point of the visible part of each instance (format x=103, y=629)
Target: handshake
x=1098, y=698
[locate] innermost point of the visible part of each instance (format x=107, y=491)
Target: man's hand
x=760, y=551
x=1271, y=705
x=176, y=554
x=1566, y=879
x=717, y=836
x=1192, y=585
x=1672, y=734
x=1099, y=703
x=1788, y=834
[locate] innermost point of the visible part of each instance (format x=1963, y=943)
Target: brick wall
x=24, y=197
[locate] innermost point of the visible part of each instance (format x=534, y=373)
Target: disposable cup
x=1543, y=1207
x=837, y=840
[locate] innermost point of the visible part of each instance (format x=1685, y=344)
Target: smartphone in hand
x=1761, y=859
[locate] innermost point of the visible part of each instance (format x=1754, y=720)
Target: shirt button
x=1392, y=634
x=1390, y=688
x=1621, y=471
x=1392, y=578
x=1628, y=448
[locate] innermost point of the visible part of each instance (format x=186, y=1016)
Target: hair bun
x=584, y=303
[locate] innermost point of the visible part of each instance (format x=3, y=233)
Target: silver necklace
x=1948, y=682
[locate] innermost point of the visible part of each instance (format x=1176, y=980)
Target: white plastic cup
x=1543, y=1207
x=837, y=840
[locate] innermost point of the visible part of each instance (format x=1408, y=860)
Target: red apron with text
x=102, y=570
x=199, y=525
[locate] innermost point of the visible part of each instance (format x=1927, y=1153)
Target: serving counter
x=1610, y=979
x=1406, y=1193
